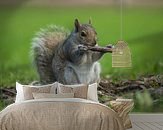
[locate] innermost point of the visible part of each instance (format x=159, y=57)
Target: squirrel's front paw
x=110, y=46
x=82, y=48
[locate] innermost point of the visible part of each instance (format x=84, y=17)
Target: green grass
x=1, y=105
x=142, y=29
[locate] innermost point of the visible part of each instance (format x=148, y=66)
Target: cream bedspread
x=59, y=114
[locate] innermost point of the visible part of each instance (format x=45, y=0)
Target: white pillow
x=20, y=91
x=19, y=94
x=92, y=92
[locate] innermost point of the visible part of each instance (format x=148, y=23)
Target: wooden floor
x=147, y=121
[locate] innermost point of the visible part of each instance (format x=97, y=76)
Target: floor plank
x=152, y=125
x=146, y=121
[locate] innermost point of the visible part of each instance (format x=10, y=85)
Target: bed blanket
x=59, y=114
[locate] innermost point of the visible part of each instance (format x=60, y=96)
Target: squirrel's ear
x=77, y=25
x=90, y=21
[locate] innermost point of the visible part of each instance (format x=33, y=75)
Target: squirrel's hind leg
x=44, y=68
x=70, y=77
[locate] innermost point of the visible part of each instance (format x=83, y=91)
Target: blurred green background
x=142, y=30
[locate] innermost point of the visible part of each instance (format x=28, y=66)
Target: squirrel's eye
x=83, y=34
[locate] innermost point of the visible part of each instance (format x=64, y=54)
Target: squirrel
x=64, y=57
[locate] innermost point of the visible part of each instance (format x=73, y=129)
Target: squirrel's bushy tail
x=43, y=49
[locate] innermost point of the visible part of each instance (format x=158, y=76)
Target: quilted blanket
x=59, y=114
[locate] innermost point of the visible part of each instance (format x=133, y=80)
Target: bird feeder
x=121, y=55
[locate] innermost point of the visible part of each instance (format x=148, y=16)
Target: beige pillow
x=50, y=95
x=29, y=90
x=24, y=92
x=80, y=91
x=91, y=93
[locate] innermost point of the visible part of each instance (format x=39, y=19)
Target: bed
x=59, y=114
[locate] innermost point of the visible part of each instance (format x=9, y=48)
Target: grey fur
x=60, y=56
